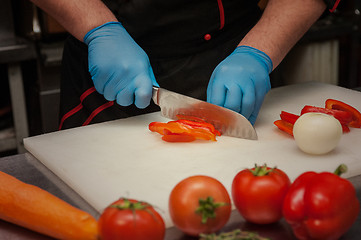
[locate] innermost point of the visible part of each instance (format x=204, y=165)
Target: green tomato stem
x=207, y=208
x=261, y=170
x=130, y=205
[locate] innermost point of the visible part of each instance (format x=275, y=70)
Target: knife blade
x=228, y=122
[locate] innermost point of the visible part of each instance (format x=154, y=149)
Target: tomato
x=199, y=204
x=129, y=219
x=258, y=193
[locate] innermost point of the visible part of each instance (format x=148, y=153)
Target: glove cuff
x=258, y=53
x=87, y=38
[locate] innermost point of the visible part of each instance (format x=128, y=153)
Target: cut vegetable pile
x=347, y=115
x=185, y=129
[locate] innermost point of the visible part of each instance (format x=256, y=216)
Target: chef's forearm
x=77, y=16
x=282, y=24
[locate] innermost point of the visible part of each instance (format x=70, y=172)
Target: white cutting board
x=122, y=158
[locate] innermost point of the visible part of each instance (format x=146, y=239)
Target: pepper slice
x=289, y=117
x=177, y=137
x=202, y=125
x=339, y=105
x=284, y=126
x=344, y=117
x=198, y=123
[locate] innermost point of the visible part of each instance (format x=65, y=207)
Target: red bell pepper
x=321, y=205
x=344, y=117
x=338, y=105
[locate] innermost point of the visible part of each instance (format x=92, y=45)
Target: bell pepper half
x=321, y=205
x=339, y=105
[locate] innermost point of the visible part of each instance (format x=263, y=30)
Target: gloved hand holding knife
x=241, y=81
x=119, y=67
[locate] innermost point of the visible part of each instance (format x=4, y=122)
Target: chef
x=221, y=51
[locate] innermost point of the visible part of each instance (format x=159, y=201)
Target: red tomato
x=258, y=193
x=199, y=204
x=129, y=219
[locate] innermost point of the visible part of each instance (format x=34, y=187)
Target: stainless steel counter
x=28, y=169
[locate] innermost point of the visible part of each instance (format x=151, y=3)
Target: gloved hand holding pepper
x=119, y=67
x=241, y=81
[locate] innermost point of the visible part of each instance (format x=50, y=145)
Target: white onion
x=317, y=133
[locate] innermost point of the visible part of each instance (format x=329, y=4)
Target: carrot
x=36, y=209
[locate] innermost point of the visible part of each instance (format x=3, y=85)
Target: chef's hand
x=241, y=81
x=119, y=67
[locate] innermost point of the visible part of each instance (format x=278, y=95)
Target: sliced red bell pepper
x=184, y=130
x=343, y=116
x=177, y=137
x=292, y=118
x=338, y=105
x=321, y=205
x=172, y=126
x=284, y=126
x=203, y=125
x=289, y=117
x=197, y=122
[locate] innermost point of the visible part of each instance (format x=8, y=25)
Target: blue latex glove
x=119, y=67
x=241, y=81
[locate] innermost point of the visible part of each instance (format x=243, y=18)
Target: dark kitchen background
x=31, y=46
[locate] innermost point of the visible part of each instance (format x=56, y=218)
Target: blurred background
x=31, y=45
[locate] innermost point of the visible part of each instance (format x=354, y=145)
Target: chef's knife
x=228, y=122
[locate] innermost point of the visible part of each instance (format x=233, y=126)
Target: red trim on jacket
x=221, y=14
x=335, y=6
x=77, y=108
x=97, y=111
